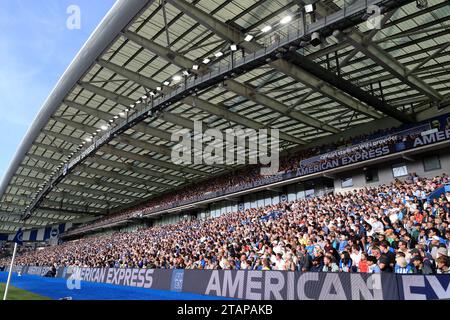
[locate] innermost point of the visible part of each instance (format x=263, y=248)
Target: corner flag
x=18, y=238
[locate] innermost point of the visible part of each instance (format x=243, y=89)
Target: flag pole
x=10, y=271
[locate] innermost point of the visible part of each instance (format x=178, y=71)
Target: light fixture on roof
x=233, y=47
x=144, y=96
x=286, y=19
x=84, y=142
x=315, y=39
x=218, y=54
x=422, y=4
x=116, y=117
x=166, y=83
x=309, y=8
x=152, y=93
x=195, y=67
x=111, y=120
x=338, y=35
x=138, y=102
x=98, y=130
x=94, y=134
x=158, y=88
x=88, y=139
x=248, y=38
x=122, y=114
x=186, y=73
x=176, y=77
x=126, y=110
x=266, y=29
x=132, y=105
x=104, y=127
x=206, y=60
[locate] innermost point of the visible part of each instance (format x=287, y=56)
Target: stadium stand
x=363, y=186
x=390, y=228
x=249, y=178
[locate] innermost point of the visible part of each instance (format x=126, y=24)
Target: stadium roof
x=279, y=79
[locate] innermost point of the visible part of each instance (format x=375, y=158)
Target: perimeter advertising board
x=266, y=285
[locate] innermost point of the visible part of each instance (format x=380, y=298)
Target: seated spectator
x=363, y=265
x=299, y=237
x=346, y=263
x=419, y=266
x=329, y=265
x=442, y=265
x=372, y=264
x=402, y=266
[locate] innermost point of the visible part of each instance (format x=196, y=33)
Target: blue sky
x=35, y=48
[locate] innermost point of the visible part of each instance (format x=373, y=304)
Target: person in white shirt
x=355, y=255
x=279, y=262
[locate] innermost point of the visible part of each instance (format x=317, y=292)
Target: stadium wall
x=421, y=164
x=317, y=187
x=264, y=285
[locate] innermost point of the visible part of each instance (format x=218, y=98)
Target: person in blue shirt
x=401, y=266
x=343, y=243
x=372, y=263
x=310, y=248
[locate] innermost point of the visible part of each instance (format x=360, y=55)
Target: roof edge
x=117, y=18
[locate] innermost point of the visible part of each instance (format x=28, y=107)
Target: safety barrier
x=264, y=285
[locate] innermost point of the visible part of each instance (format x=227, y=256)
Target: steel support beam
x=82, y=189
x=127, y=101
x=162, y=164
x=137, y=170
x=186, y=63
x=349, y=88
x=100, y=173
x=114, y=164
x=98, y=182
x=21, y=225
x=130, y=75
x=63, y=137
x=63, y=196
x=146, y=159
x=224, y=113
x=251, y=94
x=164, y=52
x=50, y=202
x=117, y=98
x=235, y=36
x=56, y=214
x=102, y=115
x=35, y=217
x=151, y=84
x=389, y=63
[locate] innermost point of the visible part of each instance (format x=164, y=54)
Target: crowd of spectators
x=246, y=178
x=388, y=228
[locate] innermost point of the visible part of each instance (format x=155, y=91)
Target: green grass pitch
x=18, y=294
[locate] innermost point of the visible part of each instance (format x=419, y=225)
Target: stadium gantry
x=101, y=143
